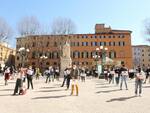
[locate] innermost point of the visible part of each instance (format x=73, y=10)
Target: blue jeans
x=123, y=78
x=138, y=84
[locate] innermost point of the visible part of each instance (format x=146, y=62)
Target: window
x=84, y=36
x=121, y=43
x=112, y=54
x=33, y=44
x=47, y=44
x=33, y=54
x=76, y=54
x=84, y=43
x=93, y=43
x=110, y=36
x=123, y=36
x=55, y=44
x=100, y=37
x=85, y=54
x=114, y=43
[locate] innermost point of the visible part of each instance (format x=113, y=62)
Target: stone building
x=141, y=55
x=83, y=47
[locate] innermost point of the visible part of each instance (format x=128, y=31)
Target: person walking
x=19, y=81
x=138, y=81
x=30, y=77
x=117, y=75
x=147, y=74
x=74, y=76
x=124, y=75
x=65, y=77
x=37, y=73
x=83, y=75
x=7, y=75
x=47, y=73
x=51, y=72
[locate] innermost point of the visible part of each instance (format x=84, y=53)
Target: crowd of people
x=73, y=74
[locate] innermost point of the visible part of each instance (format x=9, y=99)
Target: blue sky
x=119, y=14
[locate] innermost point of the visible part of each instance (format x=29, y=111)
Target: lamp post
x=96, y=57
x=23, y=53
x=103, y=52
x=43, y=57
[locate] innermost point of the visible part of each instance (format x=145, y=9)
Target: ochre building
x=5, y=51
x=83, y=47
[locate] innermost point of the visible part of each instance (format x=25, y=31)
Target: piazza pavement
x=95, y=96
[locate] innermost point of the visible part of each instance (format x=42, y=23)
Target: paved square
x=95, y=96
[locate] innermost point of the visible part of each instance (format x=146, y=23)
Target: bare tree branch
x=29, y=26
x=62, y=26
x=147, y=29
x=5, y=30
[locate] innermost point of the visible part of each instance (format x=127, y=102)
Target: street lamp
x=103, y=52
x=23, y=52
x=43, y=57
x=96, y=58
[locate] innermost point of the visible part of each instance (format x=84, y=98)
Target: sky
x=119, y=14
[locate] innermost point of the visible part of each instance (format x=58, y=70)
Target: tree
x=147, y=29
x=29, y=25
x=5, y=30
x=61, y=26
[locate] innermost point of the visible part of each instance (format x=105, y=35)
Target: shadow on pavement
x=102, y=83
x=47, y=87
x=106, y=86
x=48, y=97
x=108, y=91
x=6, y=89
x=146, y=86
x=5, y=95
x=120, y=99
x=51, y=90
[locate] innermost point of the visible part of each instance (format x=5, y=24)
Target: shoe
x=120, y=89
x=127, y=89
x=139, y=95
x=13, y=94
